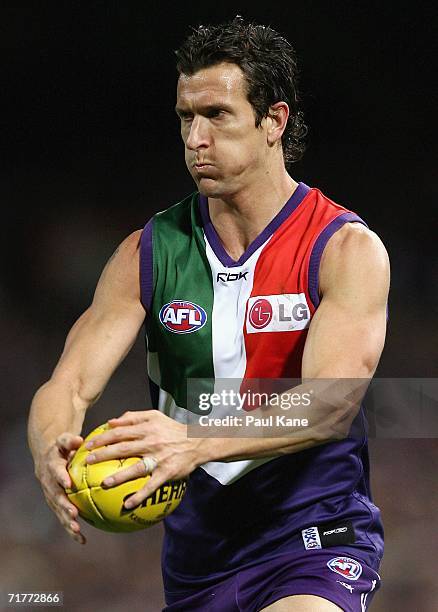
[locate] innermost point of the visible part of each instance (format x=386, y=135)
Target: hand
x=52, y=473
x=146, y=433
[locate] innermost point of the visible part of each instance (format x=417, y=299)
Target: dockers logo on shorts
x=277, y=313
x=346, y=567
x=311, y=538
x=182, y=317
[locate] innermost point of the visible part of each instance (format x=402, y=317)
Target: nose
x=198, y=136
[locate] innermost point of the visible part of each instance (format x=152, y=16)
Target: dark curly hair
x=268, y=62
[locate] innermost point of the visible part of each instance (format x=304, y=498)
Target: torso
x=212, y=318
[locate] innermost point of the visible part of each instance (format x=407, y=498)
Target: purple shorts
x=332, y=574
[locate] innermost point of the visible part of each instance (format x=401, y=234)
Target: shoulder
x=354, y=251
x=127, y=253
x=120, y=276
x=354, y=239
x=131, y=244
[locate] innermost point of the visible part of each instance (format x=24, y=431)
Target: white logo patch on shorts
x=311, y=538
x=346, y=567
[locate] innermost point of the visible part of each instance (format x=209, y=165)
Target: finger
x=72, y=527
x=59, y=472
x=156, y=480
x=70, y=510
x=112, y=436
x=137, y=470
x=68, y=441
x=130, y=418
x=70, y=456
x=115, y=451
x=62, y=506
x=75, y=532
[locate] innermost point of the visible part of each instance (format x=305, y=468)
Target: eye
x=184, y=116
x=214, y=113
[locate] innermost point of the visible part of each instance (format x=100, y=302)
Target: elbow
x=338, y=404
x=334, y=429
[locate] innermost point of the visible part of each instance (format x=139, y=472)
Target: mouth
x=203, y=170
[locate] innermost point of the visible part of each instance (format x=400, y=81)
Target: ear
x=276, y=121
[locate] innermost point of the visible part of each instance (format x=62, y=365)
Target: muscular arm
x=95, y=346
x=345, y=340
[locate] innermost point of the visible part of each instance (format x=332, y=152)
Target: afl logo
x=346, y=567
x=181, y=317
x=260, y=314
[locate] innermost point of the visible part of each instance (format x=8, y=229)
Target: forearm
x=55, y=409
x=273, y=431
x=236, y=449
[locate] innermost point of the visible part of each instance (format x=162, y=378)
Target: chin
x=208, y=192
x=210, y=188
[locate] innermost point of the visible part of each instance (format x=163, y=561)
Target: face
x=224, y=151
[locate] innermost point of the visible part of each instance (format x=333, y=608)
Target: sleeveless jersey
x=212, y=317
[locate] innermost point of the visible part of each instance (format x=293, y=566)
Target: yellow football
x=103, y=508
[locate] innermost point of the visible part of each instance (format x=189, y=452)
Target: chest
x=233, y=321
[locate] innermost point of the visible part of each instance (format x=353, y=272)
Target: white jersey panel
x=225, y=473
x=232, y=288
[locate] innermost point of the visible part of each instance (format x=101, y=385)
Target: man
x=254, y=277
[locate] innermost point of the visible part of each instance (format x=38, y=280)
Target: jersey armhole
x=146, y=267
x=318, y=249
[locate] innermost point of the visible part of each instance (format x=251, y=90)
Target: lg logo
x=277, y=313
x=260, y=314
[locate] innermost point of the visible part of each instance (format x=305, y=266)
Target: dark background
x=91, y=148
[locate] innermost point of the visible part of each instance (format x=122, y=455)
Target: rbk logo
x=230, y=276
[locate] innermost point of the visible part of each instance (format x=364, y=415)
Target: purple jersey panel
x=146, y=266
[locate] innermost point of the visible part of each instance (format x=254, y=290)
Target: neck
x=240, y=218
